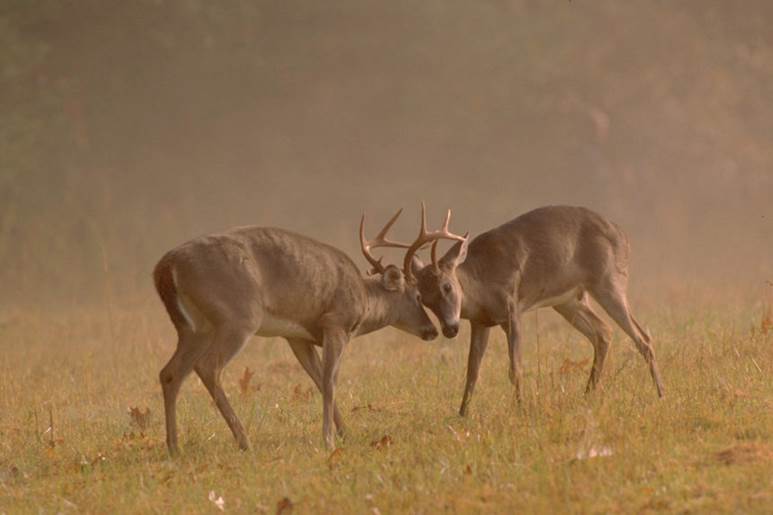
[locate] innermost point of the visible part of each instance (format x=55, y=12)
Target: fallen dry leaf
x=740, y=393
x=368, y=407
x=244, y=381
x=302, y=394
x=745, y=453
x=334, y=458
x=383, y=443
x=139, y=417
x=285, y=505
x=570, y=366
x=766, y=325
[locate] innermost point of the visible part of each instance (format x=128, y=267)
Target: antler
x=380, y=241
x=428, y=237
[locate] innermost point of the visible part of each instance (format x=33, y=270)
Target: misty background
x=128, y=127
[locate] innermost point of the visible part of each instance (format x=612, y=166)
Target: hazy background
x=127, y=127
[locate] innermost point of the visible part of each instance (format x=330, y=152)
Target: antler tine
x=427, y=237
x=434, y=249
x=447, y=221
x=380, y=241
x=366, y=248
x=416, y=245
x=444, y=234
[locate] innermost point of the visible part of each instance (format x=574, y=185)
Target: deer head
x=437, y=282
x=399, y=285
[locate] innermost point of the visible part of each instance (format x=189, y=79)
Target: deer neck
x=471, y=303
x=378, y=312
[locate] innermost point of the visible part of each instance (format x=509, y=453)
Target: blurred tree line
x=129, y=126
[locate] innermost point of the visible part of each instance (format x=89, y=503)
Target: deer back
x=548, y=252
x=252, y=272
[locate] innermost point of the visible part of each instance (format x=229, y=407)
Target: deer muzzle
x=450, y=330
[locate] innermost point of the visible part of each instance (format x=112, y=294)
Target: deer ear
x=416, y=265
x=392, y=279
x=456, y=254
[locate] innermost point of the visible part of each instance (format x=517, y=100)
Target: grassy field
x=708, y=447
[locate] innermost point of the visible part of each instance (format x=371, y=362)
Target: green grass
x=708, y=447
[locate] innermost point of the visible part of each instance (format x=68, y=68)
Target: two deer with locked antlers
x=220, y=290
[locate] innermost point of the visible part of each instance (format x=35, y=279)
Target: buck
x=554, y=256
x=221, y=289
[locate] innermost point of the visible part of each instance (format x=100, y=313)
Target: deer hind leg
x=226, y=343
x=614, y=300
x=307, y=355
x=478, y=343
x=189, y=348
x=580, y=315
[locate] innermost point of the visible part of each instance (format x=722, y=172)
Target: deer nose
x=429, y=334
x=450, y=330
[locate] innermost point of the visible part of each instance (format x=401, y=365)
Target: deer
x=553, y=256
x=221, y=289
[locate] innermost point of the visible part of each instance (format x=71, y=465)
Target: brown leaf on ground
x=570, y=366
x=368, y=407
x=745, y=453
x=12, y=472
x=139, y=417
x=655, y=504
x=302, y=394
x=383, y=443
x=334, y=458
x=766, y=325
x=244, y=381
x=285, y=505
x=738, y=393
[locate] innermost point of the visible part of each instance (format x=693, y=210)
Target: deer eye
x=446, y=288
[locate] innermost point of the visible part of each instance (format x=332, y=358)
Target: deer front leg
x=333, y=344
x=478, y=342
x=307, y=356
x=512, y=328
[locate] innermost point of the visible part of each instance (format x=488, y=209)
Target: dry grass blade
x=51, y=441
